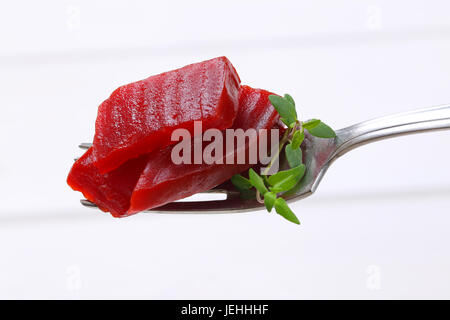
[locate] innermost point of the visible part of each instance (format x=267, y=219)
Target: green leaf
x=293, y=156
x=269, y=200
x=289, y=98
x=285, y=108
x=286, y=184
x=283, y=210
x=240, y=182
x=257, y=181
x=298, y=171
x=292, y=125
x=297, y=139
x=322, y=131
x=310, y=124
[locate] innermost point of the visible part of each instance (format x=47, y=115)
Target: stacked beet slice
x=129, y=167
x=139, y=117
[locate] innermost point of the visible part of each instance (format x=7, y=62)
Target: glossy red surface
x=139, y=117
x=110, y=191
x=162, y=181
x=153, y=179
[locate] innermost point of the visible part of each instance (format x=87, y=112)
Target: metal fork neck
x=422, y=120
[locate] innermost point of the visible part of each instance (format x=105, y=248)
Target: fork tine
x=232, y=204
x=85, y=145
x=88, y=203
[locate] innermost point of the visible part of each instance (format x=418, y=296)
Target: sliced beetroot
x=162, y=181
x=139, y=117
x=152, y=180
x=109, y=191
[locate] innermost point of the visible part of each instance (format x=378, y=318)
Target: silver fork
x=319, y=155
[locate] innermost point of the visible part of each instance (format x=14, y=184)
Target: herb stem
x=258, y=197
x=283, y=141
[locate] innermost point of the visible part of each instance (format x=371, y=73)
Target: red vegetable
x=109, y=191
x=139, y=117
x=131, y=188
x=163, y=181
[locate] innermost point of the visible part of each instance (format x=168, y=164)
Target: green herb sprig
x=271, y=187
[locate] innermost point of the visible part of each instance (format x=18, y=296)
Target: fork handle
x=422, y=120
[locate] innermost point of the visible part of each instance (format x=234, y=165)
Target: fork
x=319, y=155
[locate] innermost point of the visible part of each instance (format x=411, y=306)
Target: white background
x=378, y=225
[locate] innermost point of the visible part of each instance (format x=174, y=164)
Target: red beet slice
x=139, y=117
x=163, y=181
x=109, y=191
